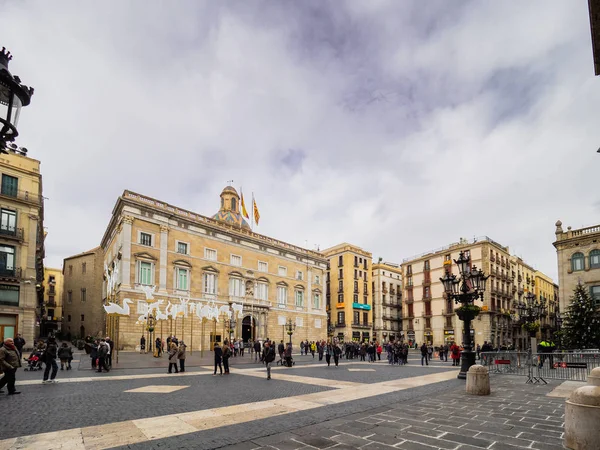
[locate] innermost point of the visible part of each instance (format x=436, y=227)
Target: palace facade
x=190, y=259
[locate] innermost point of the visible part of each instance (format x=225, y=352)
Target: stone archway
x=248, y=328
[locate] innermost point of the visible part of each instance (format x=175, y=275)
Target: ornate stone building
x=349, y=294
x=578, y=254
x=82, y=312
x=21, y=247
x=387, y=301
x=192, y=259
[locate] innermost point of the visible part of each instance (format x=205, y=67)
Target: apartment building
x=349, y=294
x=21, y=246
x=387, y=301
x=52, y=317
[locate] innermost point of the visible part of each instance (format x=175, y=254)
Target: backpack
x=102, y=350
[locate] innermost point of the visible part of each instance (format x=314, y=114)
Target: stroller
x=34, y=363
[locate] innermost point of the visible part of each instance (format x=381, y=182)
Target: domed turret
x=230, y=209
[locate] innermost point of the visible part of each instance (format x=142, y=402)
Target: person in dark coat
x=158, y=347
x=218, y=358
x=181, y=354
x=142, y=344
x=94, y=353
x=65, y=354
x=19, y=344
x=226, y=355
x=424, y=354
x=49, y=358
x=257, y=350
x=268, y=357
x=10, y=361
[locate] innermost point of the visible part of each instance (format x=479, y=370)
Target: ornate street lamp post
x=13, y=96
x=229, y=325
x=530, y=312
x=330, y=330
x=465, y=290
x=290, y=327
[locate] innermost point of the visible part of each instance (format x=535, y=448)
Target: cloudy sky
x=398, y=126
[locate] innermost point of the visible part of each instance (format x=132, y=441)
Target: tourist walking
x=268, y=357
x=111, y=346
x=313, y=349
x=328, y=352
x=10, y=361
x=226, y=355
x=158, y=347
x=301, y=348
x=424, y=352
x=337, y=351
x=49, y=358
x=236, y=348
x=379, y=351
x=281, y=351
x=142, y=344
x=241, y=344
x=65, y=354
x=288, y=355
x=181, y=354
x=173, y=357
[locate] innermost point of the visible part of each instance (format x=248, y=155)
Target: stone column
x=126, y=252
x=582, y=415
x=162, y=280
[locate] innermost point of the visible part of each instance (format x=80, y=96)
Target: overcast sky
x=397, y=126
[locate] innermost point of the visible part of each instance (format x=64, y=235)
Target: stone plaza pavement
x=356, y=405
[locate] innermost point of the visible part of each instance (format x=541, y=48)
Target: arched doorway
x=248, y=328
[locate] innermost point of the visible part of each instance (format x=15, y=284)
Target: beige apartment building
x=387, y=301
x=578, y=255
x=429, y=316
x=21, y=246
x=349, y=297
x=82, y=310
x=52, y=309
x=544, y=292
x=192, y=261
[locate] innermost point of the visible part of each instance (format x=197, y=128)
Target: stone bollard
x=582, y=415
x=478, y=380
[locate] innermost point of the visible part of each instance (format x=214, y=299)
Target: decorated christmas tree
x=581, y=328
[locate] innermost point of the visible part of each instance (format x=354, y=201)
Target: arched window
x=233, y=205
x=577, y=261
x=595, y=259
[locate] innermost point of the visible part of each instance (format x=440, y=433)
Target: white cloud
x=410, y=127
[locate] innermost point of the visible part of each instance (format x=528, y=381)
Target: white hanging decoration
x=238, y=309
x=114, y=308
x=224, y=310
x=148, y=291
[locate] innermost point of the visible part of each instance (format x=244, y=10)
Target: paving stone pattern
x=516, y=415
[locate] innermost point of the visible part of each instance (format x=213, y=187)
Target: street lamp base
x=467, y=360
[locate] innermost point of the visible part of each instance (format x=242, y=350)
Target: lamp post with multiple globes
x=466, y=290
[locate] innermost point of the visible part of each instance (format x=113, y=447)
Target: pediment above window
x=235, y=273
x=299, y=287
x=182, y=262
x=317, y=291
x=263, y=280
x=282, y=283
x=210, y=269
x=145, y=255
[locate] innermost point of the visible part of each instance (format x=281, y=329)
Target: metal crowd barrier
x=538, y=367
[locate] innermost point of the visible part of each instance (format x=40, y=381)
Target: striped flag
x=256, y=213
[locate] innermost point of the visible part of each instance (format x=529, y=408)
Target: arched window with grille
x=595, y=259
x=577, y=261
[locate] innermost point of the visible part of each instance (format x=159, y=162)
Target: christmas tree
x=581, y=328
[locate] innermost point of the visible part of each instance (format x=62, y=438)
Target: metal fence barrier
x=538, y=367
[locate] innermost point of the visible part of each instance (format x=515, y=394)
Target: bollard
x=582, y=415
x=478, y=380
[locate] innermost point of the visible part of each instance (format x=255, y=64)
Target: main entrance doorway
x=248, y=328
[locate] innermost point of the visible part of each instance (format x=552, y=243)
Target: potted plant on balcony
x=467, y=312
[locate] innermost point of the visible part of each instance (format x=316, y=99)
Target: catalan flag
x=244, y=211
x=256, y=213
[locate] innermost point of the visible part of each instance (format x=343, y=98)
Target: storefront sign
x=361, y=306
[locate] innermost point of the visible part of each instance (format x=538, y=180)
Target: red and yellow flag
x=244, y=211
x=256, y=213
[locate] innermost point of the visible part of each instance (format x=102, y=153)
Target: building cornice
x=208, y=223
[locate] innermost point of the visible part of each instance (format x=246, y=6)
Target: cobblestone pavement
x=378, y=406
x=515, y=415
